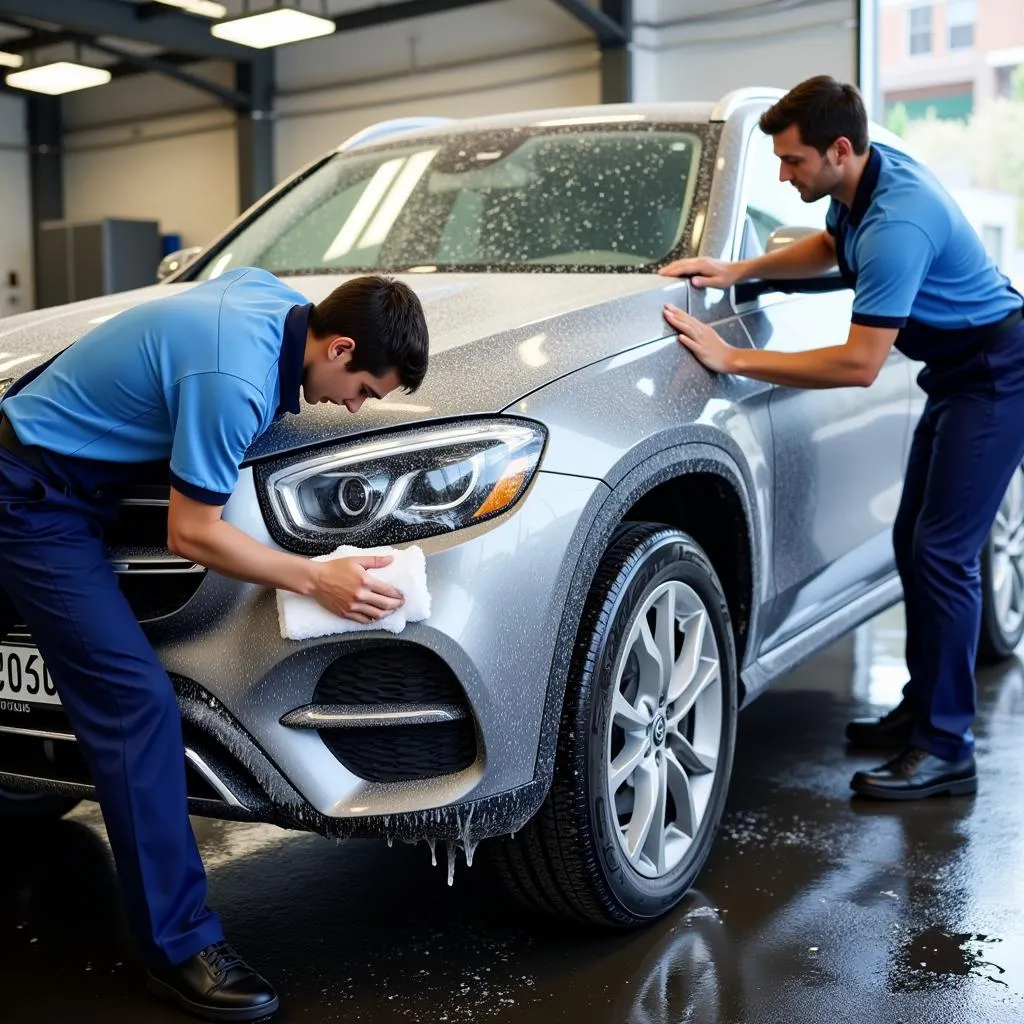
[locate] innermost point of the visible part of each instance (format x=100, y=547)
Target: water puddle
x=928, y=959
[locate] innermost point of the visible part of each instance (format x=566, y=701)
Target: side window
x=772, y=203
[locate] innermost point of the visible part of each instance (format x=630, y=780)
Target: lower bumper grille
x=397, y=676
x=54, y=756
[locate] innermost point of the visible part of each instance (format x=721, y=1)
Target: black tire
x=997, y=640
x=567, y=860
x=35, y=806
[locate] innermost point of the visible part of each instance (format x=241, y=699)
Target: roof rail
x=382, y=129
x=732, y=101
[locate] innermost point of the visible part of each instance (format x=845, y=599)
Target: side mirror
x=749, y=291
x=175, y=261
x=781, y=237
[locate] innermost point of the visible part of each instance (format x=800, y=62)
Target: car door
x=839, y=452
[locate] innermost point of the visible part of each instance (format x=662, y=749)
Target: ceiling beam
x=383, y=14
x=173, y=29
x=609, y=32
x=229, y=97
x=123, y=69
x=35, y=40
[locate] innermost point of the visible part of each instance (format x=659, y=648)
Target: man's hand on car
x=703, y=341
x=345, y=587
x=704, y=272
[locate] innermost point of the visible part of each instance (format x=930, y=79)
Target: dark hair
x=385, y=320
x=824, y=110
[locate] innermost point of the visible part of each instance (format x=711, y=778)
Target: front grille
x=397, y=674
x=154, y=581
x=141, y=519
x=152, y=595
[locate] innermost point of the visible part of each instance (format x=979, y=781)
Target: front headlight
x=400, y=487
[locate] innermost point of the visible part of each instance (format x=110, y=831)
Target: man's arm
x=196, y=531
x=807, y=257
x=855, y=364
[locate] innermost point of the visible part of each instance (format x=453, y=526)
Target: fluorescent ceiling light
x=11, y=60
x=273, y=28
x=207, y=8
x=57, y=78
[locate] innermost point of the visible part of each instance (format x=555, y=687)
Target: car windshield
x=502, y=200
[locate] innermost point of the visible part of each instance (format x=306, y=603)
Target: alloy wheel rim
x=1008, y=558
x=665, y=730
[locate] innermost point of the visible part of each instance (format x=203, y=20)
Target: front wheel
x=646, y=740
x=1002, y=578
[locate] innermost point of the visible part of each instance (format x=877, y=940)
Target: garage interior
x=812, y=906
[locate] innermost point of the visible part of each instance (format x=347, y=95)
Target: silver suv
x=622, y=549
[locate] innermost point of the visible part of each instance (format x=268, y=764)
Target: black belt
x=973, y=341
x=1012, y=320
x=28, y=454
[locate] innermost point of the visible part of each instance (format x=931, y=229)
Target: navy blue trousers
x=118, y=698
x=968, y=443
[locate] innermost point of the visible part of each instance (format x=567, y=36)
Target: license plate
x=23, y=677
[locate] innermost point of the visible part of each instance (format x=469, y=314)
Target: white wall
x=310, y=123
x=130, y=152
x=15, y=200
x=702, y=49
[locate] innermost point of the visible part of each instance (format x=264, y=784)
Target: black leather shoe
x=890, y=732
x=914, y=774
x=215, y=984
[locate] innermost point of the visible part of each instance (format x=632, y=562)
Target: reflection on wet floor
x=812, y=907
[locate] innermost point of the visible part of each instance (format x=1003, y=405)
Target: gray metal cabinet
x=84, y=260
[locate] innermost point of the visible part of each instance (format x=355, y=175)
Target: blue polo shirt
x=190, y=380
x=914, y=261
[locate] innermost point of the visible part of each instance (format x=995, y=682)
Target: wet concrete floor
x=813, y=907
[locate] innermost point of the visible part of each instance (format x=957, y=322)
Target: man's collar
x=293, y=354
x=865, y=188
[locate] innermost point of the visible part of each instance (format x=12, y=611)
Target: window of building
x=961, y=16
x=1004, y=80
x=919, y=30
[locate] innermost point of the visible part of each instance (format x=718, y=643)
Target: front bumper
x=498, y=596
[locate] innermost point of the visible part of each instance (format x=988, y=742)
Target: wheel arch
x=668, y=487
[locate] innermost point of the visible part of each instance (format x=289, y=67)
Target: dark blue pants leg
x=914, y=482
x=120, y=703
x=962, y=459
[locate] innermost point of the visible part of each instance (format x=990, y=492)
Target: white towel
x=302, y=617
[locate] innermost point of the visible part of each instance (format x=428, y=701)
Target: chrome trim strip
x=196, y=761
x=366, y=716
x=208, y=774
x=43, y=734
x=157, y=567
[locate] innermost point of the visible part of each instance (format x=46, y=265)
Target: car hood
x=494, y=338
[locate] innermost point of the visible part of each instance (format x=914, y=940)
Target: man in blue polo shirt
x=922, y=282
x=188, y=383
